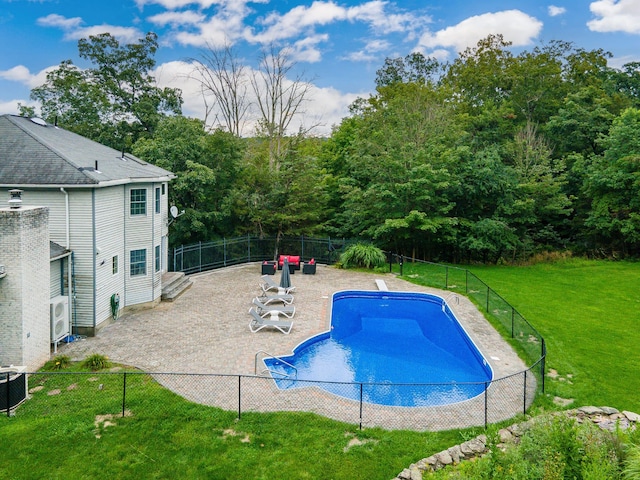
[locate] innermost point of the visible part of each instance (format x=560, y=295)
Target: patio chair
x=268, y=285
x=273, y=320
x=285, y=298
x=264, y=310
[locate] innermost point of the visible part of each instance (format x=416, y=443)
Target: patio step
x=174, y=284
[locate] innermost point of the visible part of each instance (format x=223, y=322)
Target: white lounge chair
x=264, y=310
x=273, y=320
x=285, y=298
x=268, y=285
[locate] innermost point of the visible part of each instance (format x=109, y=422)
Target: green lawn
x=587, y=312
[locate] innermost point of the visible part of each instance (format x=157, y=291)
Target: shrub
x=361, y=255
x=59, y=362
x=632, y=463
x=96, y=362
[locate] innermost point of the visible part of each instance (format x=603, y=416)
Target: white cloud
x=305, y=50
x=123, y=34
x=74, y=31
x=55, y=20
x=615, y=16
x=370, y=53
x=21, y=74
x=516, y=27
x=555, y=11
x=176, y=19
x=173, y=4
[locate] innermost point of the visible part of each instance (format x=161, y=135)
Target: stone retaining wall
x=606, y=418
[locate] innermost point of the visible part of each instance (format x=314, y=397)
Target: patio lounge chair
x=268, y=285
x=285, y=298
x=273, y=320
x=264, y=310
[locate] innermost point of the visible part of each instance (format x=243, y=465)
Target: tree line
x=492, y=156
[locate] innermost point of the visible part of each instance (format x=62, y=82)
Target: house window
x=138, y=201
x=138, y=262
x=157, y=258
x=163, y=191
x=114, y=264
x=157, y=199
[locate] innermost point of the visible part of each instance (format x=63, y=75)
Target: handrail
x=452, y=295
x=272, y=372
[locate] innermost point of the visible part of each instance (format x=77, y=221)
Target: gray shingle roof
x=56, y=250
x=36, y=154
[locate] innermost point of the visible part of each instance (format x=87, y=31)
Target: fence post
x=543, y=355
x=124, y=392
x=200, y=256
x=524, y=395
x=302, y=247
x=248, y=247
x=401, y=263
x=486, y=405
x=446, y=277
x=361, y=406
x=488, y=295
x=466, y=281
x=513, y=322
x=390, y=262
x=239, y=398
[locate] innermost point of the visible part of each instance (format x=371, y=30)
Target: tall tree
x=613, y=184
x=118, y=92
x=278, y=97
x=223, y=76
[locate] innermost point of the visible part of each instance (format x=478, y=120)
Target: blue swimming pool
x=388, y=348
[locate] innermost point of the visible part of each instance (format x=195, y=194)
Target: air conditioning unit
x=14, y=387
x=59, y=318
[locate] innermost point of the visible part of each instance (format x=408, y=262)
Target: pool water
x=389, y=348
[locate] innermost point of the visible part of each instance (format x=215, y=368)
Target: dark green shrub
x=361, y=255
x=96, y=362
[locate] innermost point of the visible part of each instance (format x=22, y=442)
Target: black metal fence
x=121, y=394
x=201, y=257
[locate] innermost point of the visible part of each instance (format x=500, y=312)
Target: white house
x=108, y=217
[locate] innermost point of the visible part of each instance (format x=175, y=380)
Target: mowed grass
x=589, y=314
x=74, y=428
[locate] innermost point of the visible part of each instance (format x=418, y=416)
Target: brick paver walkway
x=206, y=331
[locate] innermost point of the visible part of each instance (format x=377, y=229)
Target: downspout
x=66, y=209
x=70, y=264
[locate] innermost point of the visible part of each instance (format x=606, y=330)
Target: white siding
x=110, y=234
x=55, y=280
x=142, y=232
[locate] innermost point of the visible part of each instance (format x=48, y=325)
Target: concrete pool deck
x=206, y=331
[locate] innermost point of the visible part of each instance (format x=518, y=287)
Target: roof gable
x=37, y=153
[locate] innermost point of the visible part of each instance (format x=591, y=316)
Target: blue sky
x=337, y=45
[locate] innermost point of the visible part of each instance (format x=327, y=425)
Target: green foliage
x=59, y=362
x=115, y=101
x=362, y=255
x=632, y=463
x=552, y=448
x=95, y=362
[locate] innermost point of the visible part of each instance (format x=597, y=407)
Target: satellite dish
x=38, y=121
x=173, y=211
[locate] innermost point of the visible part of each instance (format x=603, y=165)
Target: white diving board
x=382, y=285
